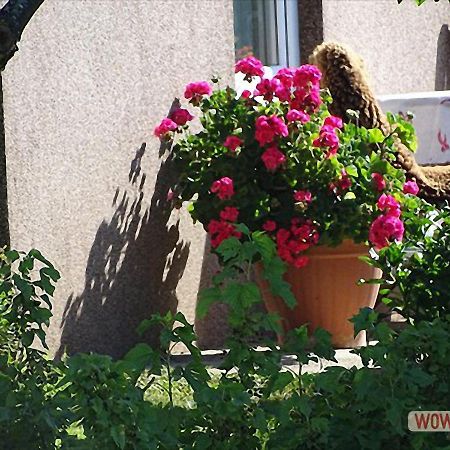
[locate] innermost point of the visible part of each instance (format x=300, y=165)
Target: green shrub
x=144, y=401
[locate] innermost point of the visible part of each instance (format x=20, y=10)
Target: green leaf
x=282, y=380
x=376, y=136
x=349, y=196
x=265, y=245
x=241, y=295
x=365, y=320
x=45, y=284
x=52, y=273
x=144, y=326
x=118, y=435
x=38, y=255
x=138, y=357
x=274, y=270
x=229, y=248
x=24, y=287
x=352, y=170
x=206, y=298
x=27, y=338
x=12, y=255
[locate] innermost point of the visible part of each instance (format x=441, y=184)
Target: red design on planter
x=442, y=138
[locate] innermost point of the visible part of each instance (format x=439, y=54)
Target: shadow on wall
x=212, y=330
x=133, y=270
x=442, y=82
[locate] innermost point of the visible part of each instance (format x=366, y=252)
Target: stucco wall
x=86, y=180
x=399, y=43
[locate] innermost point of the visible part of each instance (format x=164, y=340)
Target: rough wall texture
x=402, y=45
x=310, y=27
x=86, y=180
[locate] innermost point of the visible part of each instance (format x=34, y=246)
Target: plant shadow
x=134, y=266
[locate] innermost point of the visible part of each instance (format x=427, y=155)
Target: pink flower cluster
x=250, y=67
x=342, y=184
x=178, y=117
x=229, y=213
x=294, y=115
x=223, y=187
x=411, y=187
x=273, y=158
x=267, y=128
x=298, y=86
x=303, y=196
x=267, y=88
x=328, y=139
x=388, y=226
x=181, y=116
x=196, y=90
x=269, y=225
x=379, y=181
x=232, y=143
x=164, y=129
x=292, y=242
x=224, y=228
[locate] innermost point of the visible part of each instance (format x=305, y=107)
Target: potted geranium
x=276, y=160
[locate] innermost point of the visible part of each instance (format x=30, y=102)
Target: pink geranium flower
x=307, y=100
x=267, y=128
x=269, y=225
x=379, y=181
x=273, y=158
x=233, y=142
x=327, y=139
x=195, y=91
x=389, y=205
x=294, y=115
x=250, y=67
x=384, y=229
x=165, y=128
x=267, y=88
x=223, y=188
x=229, y=213
x=221, y=230
x=411, y=187
x=181, y=116
x=307, y=75
x=291, y=243
x=286, y=76
x=333, y=121
x=303, y=196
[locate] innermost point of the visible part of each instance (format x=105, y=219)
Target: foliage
x=417, y=271
x=277, y=161
x=27, y=378
x=144, y=401
x=404, y=129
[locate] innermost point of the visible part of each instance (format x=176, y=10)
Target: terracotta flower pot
x=327, y=292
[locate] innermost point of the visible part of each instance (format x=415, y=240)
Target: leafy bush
x=144, y=401
x=417, y=271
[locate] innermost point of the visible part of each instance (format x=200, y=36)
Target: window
x=268, y=30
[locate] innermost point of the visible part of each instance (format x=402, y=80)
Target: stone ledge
x=213, y=358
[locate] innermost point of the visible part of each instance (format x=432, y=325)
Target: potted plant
x=275, y=160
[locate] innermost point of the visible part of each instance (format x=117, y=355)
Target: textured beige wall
x=86, y=183
x=399, y=43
